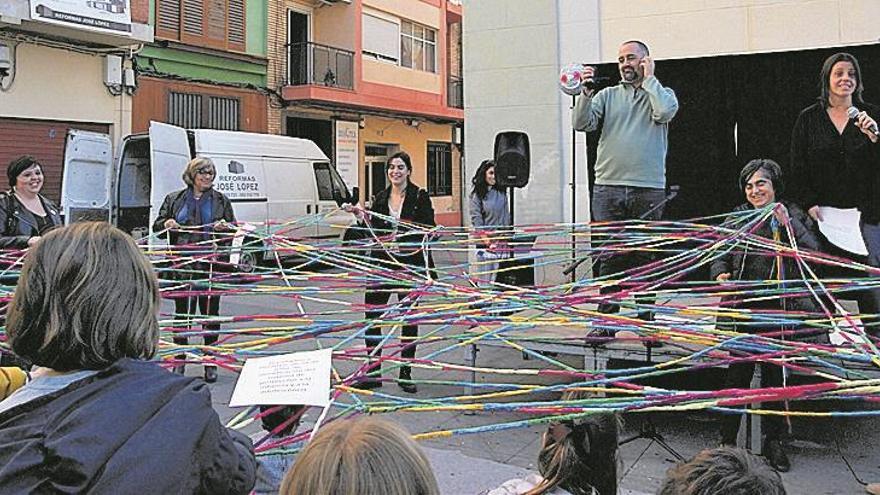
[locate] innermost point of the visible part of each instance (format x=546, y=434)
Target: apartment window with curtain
x=418, y=47
x=219, y=24
x=440, y=169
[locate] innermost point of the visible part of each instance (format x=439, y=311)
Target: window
x=217, y=24
x=381, y=39
x=195, y=111
x=439, y=169
x=418, y=47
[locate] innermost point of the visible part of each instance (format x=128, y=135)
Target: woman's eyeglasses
x=205, y=171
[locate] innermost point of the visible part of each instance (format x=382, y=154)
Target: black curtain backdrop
x=757, y=96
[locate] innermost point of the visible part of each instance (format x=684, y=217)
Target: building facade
x=367, y=78
x=65, y=65
x=206, y=68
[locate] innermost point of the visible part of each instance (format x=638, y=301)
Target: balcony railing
x=322, y=65
x=455, y=92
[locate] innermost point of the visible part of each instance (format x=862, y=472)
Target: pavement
x=829, y=454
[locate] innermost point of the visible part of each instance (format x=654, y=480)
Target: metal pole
x=573, y=193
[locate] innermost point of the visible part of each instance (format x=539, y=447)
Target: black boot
x=210, y=373
x=775, y=455
x=405, y=380
x=370, y=382
x=180, y=369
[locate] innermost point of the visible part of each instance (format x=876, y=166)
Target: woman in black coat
x=403, y=201
x=835, y=155
x=761, y=181
x=25, y=214
x=99, y=417
x=199, y=205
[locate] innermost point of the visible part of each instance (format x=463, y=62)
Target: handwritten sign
x=296, y=378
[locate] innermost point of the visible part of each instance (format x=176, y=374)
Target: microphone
x=853, y=113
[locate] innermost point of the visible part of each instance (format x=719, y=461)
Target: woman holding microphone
x=834, y=152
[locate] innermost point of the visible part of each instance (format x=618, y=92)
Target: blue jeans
x=616, y=203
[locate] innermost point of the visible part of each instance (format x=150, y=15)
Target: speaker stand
x=573, y=193
x=510, y=204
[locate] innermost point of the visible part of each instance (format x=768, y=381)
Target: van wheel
x=251, y=257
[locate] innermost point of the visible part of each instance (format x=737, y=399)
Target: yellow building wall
x=690, y=28
x=58, y=84
x=385, y=73
x=414, y=140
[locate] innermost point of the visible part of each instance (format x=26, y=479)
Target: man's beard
x=629, y=76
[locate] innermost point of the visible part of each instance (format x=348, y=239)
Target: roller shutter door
x=44, y=140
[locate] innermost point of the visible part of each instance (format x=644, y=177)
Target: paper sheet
x=841, y=227
x=296, y=378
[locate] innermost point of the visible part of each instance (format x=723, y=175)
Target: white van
x=268, y=179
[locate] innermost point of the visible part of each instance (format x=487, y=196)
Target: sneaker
x=775, y=455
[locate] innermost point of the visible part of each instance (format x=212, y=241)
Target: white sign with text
x=113, y=16
x=347, y=151
x=296, y=378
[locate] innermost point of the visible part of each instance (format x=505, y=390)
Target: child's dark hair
x=723, y=471
x=581, y=455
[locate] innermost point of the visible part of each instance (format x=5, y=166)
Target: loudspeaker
x=512, y=159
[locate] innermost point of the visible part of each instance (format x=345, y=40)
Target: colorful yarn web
x=316, y=288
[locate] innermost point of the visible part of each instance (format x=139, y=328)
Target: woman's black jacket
x=18, y=222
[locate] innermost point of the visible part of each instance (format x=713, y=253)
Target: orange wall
x=414, y=140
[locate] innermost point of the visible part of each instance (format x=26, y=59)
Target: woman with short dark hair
x=761, y=183
x=25, y=214
x=191, y=216
x=101, y=418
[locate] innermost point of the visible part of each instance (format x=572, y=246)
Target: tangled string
x=323, y=282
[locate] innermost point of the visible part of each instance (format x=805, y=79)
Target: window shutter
x=219, y=24
x=236, y=33
x=216, y=22
x=193, y=13
x=168, y=19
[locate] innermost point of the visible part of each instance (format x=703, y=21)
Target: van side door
x=87, y=177
x=169, y=154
